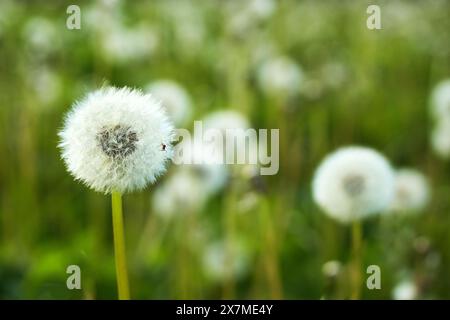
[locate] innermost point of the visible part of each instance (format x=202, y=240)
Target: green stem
x=119, y=247
x=271, y=253
x=357, y=260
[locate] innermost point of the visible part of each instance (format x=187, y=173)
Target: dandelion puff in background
x=440, y=100
x=353, y=183
x=411, y=191
x=182, y=192
x=231, y=124
x=203, y=160
x=349, y=185
x=175, y=99
x=440, y=139
x=280, y=76
x=225, y=119
x=117, y=140
x=405, y=290
x=215, y=262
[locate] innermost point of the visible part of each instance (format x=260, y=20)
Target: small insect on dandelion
x=117, y=140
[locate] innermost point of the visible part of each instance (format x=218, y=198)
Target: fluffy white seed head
x=41, y=36
x=280, y=76
x=220, y=261
x=440, y=100
x=440, y=138
x=405, y=290
x=121, y=44
x=244, y=16
x=182, y=192
x=331, y=268
x=225, y=119
x=202, y=160
x=174, y=98
x=232, y=125
x=352, y=183
x=116, y=139
x=411, y=191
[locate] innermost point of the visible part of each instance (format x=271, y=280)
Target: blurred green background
x=359, y=86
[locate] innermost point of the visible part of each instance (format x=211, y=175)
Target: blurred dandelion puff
x=174, y=98
x=352, y=183
x=411, y=191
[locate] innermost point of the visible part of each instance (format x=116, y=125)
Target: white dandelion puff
x=411, y=191
x=46, y=85
x=405, y=290
x=225, y=119
x=280, y=76
x=440, y=100
x=122, y=44
x=202, y=160
x=182, y=192
x=174, y=98
x=440, y=138
x=245, y=16
x=116, y=140
x=353, y=183
x=216, y=264
x=41, y=36
x=331, y=268
x=232, y=125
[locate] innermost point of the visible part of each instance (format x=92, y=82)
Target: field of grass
x=357, y=87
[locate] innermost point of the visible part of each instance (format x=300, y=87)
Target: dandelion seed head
x=440, y=100
x=111, y=140
x=405, y=290
x=352, y=183
x=182, y=192
x=175, y=99
x=411, y=191
x=280, y=76
x=220, y=261
x=331, y=268
x=440, y=139
x=225, y=119
x=121, y=44
x=204, y=162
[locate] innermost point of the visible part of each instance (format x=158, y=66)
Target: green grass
x=48, y=221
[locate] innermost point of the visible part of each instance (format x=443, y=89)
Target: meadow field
x=312, y=69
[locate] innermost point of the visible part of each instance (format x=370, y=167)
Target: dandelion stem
x=119, y=247
x=271, y=253
x=357, y=260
